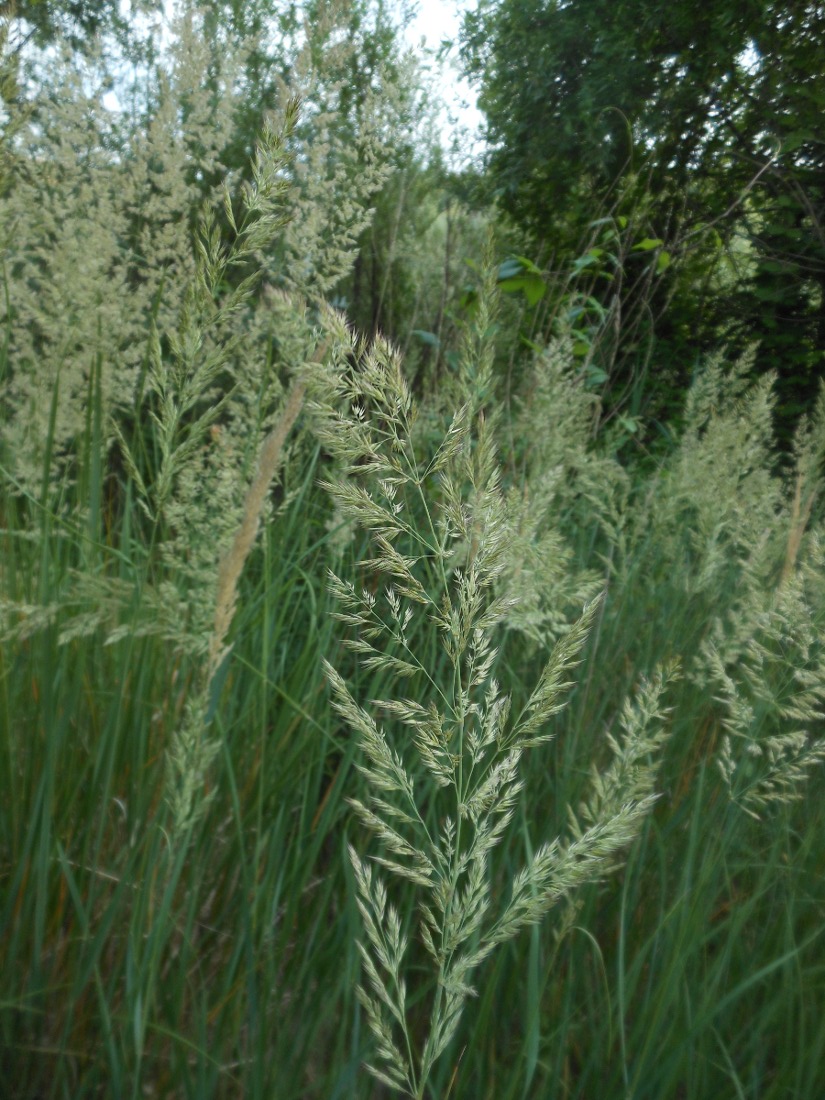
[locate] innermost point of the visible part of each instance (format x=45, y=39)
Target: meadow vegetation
x=377, y=716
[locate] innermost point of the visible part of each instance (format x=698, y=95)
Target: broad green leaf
x=425, y=337
x=509, y=269
x=530, y=286
x=596, y=376
x=587, y=260
x=528, y=265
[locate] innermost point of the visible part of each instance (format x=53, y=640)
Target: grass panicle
x=442, y=542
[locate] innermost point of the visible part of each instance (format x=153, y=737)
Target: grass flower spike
x=442, y=764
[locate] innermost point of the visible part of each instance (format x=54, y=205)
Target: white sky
x=436, y=21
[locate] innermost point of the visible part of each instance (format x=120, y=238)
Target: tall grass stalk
x=439, y=527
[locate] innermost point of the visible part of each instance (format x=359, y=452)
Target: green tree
x=78, y=21
x=705, y=117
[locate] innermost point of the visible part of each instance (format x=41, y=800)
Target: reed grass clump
x=763, y=659
x=442, y=756
x=149, y=386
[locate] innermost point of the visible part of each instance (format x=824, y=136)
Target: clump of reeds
x=764, y=659
x=441, y=757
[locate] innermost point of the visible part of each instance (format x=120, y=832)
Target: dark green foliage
x=700, y=123
x=75, y=21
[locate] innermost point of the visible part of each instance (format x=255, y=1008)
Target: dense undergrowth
x=186, y=460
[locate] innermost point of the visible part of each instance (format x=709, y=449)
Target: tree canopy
x=706, y=116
